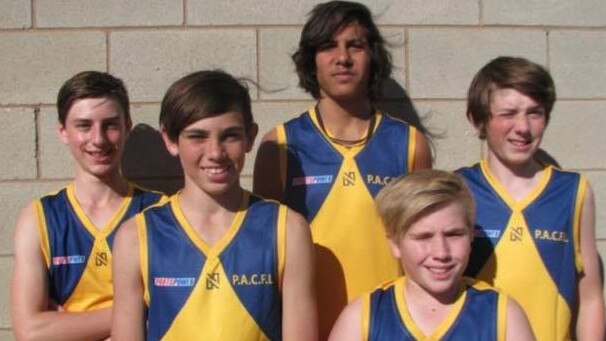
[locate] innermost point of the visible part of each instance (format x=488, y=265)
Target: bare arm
x=128, y=320
x=267, y=178
x=590, y=321
x=349, y=324
x=299, y=314
x=518, y=327
x=33, y=319
x=423, y=157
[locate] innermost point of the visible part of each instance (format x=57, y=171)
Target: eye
x=326, y=46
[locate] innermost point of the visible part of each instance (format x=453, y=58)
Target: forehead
x=103, y=107
x=510, y=96
x=440, y=218
x=351, y=30
x=225, y=120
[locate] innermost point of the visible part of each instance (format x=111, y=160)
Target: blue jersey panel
x=489, y=227
x=313, y=165
x=257, y=240
x=70, y=245
x=553, y=232
x=169, y=285
x=385, y=156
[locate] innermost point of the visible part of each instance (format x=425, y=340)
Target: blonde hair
x=407, y=198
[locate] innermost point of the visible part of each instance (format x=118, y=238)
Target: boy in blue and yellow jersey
x=429, y=216
x=535, y=234
x=329, y=163
x=62, y=283
x=215, y=262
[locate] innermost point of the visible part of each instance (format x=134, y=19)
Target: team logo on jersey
x=101, y=258
x=493, y=234
x=349, y=179
x=252, y=279
x=372, y=179
x=68, y=260
x=212, y=281
x=516, y=234
x=312, y=180
x=174, y=281
x=549, y=235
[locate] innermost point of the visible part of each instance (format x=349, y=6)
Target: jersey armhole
x=143, y=260
x=501, y=321
x=412, y=147
x=282, y=155
x=578, y=208
x=281, y=242
x=42, y=232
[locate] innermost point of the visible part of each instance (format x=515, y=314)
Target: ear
x=172, y=147
x=395, y=249
x=62, y=132
x=252, y=134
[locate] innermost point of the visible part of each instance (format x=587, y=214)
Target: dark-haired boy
x=330, y=162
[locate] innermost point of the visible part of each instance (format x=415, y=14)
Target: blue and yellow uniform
x=479, y=313
x=78, y=254
x=334, y=186
x=530, y=248
x=228, y=291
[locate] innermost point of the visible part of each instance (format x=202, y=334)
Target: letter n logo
x=349, y=179
x=212, y=281
x=101, y=259
x=516, y=234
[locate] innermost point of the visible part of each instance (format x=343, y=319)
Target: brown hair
x=527, y=77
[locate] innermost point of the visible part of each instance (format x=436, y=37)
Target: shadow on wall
x=147, y=163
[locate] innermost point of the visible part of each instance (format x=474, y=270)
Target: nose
x=99, y=137
x=440, y=249
x=521, y=124
x=214, y=149
x=343, y=56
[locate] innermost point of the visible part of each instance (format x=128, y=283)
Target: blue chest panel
x=175, y=265
x=70, y=243
x=550, y=220
x=491, y=219
x=477, y=319
x=313, y=163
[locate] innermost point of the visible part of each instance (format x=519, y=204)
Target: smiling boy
x=215, y=262
x=429, y=216
x=62, y=284
x=535, y=223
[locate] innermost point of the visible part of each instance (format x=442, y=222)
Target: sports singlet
x=530, y=248
x=334, y=188
x=228, y=291
x=78, y=254
x=478, y=314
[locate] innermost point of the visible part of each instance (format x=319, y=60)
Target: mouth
x=440, y=272
x=520, y=143
x=100, y=153
x=216, y=170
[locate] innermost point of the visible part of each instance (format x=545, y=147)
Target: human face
x=515, y=129
x=95, y=130
x=343, y=64
x=434, y=251
x=212, y=152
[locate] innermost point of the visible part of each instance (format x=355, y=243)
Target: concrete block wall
x=437, y=47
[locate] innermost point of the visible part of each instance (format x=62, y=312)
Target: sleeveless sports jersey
x=479, y=313
x=530, y=248
x=334, y=188
x=228, y=291
x=78, y=254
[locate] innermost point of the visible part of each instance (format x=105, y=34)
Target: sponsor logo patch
x=174, y=281
x=487, y=233
x=66, y=260
x=312, y=180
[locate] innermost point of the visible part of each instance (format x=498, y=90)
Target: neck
x=518, y=180
x=205, y=203
x=346, y=121
x=89, y=188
